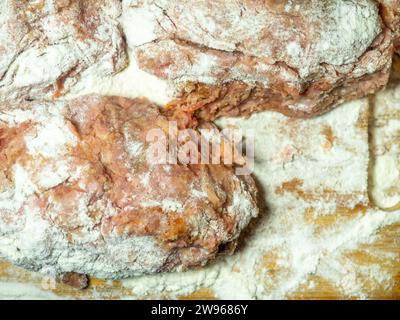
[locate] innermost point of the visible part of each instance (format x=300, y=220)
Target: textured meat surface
x=391, y=16
x=47, y=45
x=236, y=57
x=77, y=193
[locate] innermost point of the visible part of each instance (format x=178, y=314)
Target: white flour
x=54, y=220
x=288, y=246
x=23, y=291
x=49, y=140
x=289, y=236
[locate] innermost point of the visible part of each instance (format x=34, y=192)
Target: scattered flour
x=331, y=32
x=131, y=83
x=172, y=205
x=43, y=54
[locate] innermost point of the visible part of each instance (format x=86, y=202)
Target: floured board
x=318, y=236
